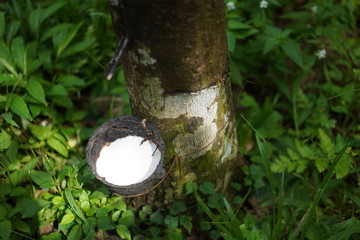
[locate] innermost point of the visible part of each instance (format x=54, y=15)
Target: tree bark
x=176, y=70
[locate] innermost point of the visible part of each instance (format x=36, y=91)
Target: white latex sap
x=126, y=161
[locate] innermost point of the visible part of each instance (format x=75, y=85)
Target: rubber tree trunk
x=176, y=69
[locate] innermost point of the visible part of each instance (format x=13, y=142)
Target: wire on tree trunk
x=115, y=60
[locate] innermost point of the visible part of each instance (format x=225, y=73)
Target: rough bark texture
x=176, y=69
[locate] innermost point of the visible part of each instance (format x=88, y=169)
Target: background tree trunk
x=176, y=69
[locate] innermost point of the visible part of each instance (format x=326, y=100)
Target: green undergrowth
x=295, y=69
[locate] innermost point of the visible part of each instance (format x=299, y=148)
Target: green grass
x=297, y=119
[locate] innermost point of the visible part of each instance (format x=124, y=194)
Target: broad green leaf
x=57, y=90
x=58, y=145
x=292, y=50
x=78, y=47
x=177, y=207
x=70, y=80
x=60, y=137
x=207, y=188
x=5, y=52
x=190, y=187
x=249, y=101
x=243, y=33
x=236, y=76
x=85, y=205
x=2, y=212
x=231, y=39
x=185, y=221
x=67, y=218
x=115, y=216
x=171, y=222
x=34, y=19
x=8, y=66
x=105, y=223
x=55, y=30
x=325, y=143
x=157, y=218
x=3, y=98
x=35, y=64
x=127, y=218
x=102, y=212
x=205, y=225
x=5, y=229
x=19, y=53
x=35, y=89
x=63, y=101
x=154, y=231
x=76, y=233
x=270, y=43
x=40, y=132
x=35, y=109
x=142, y=215
x=97, y=195
x=29, y=99
x=90, y=235
x=29, y=207
x=212, y=201
x=83, y=196
x=43, y=179
x=272, y=31
x=52, y=236
x=13, y=28
x=12, y=151
x=5, y=188
x=57, y=200
x=147, y=209
x=90, y=212
x=55, y=6
x=5, y=140
x=8, y=118
x=17, y=176
x=6, y=59
x=68, y=38
x=120, y=205
x=2, y=24
x=21, y=226
x=123, y=232
x=236, y=24
x=174, y=235
x=74, y=115
x=18, y=106
x=285, y=34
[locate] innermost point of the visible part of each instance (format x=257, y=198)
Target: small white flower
x=314, y=9
x=44, y=123
x=321, y=54
x=230, y=5
x=264, y=4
